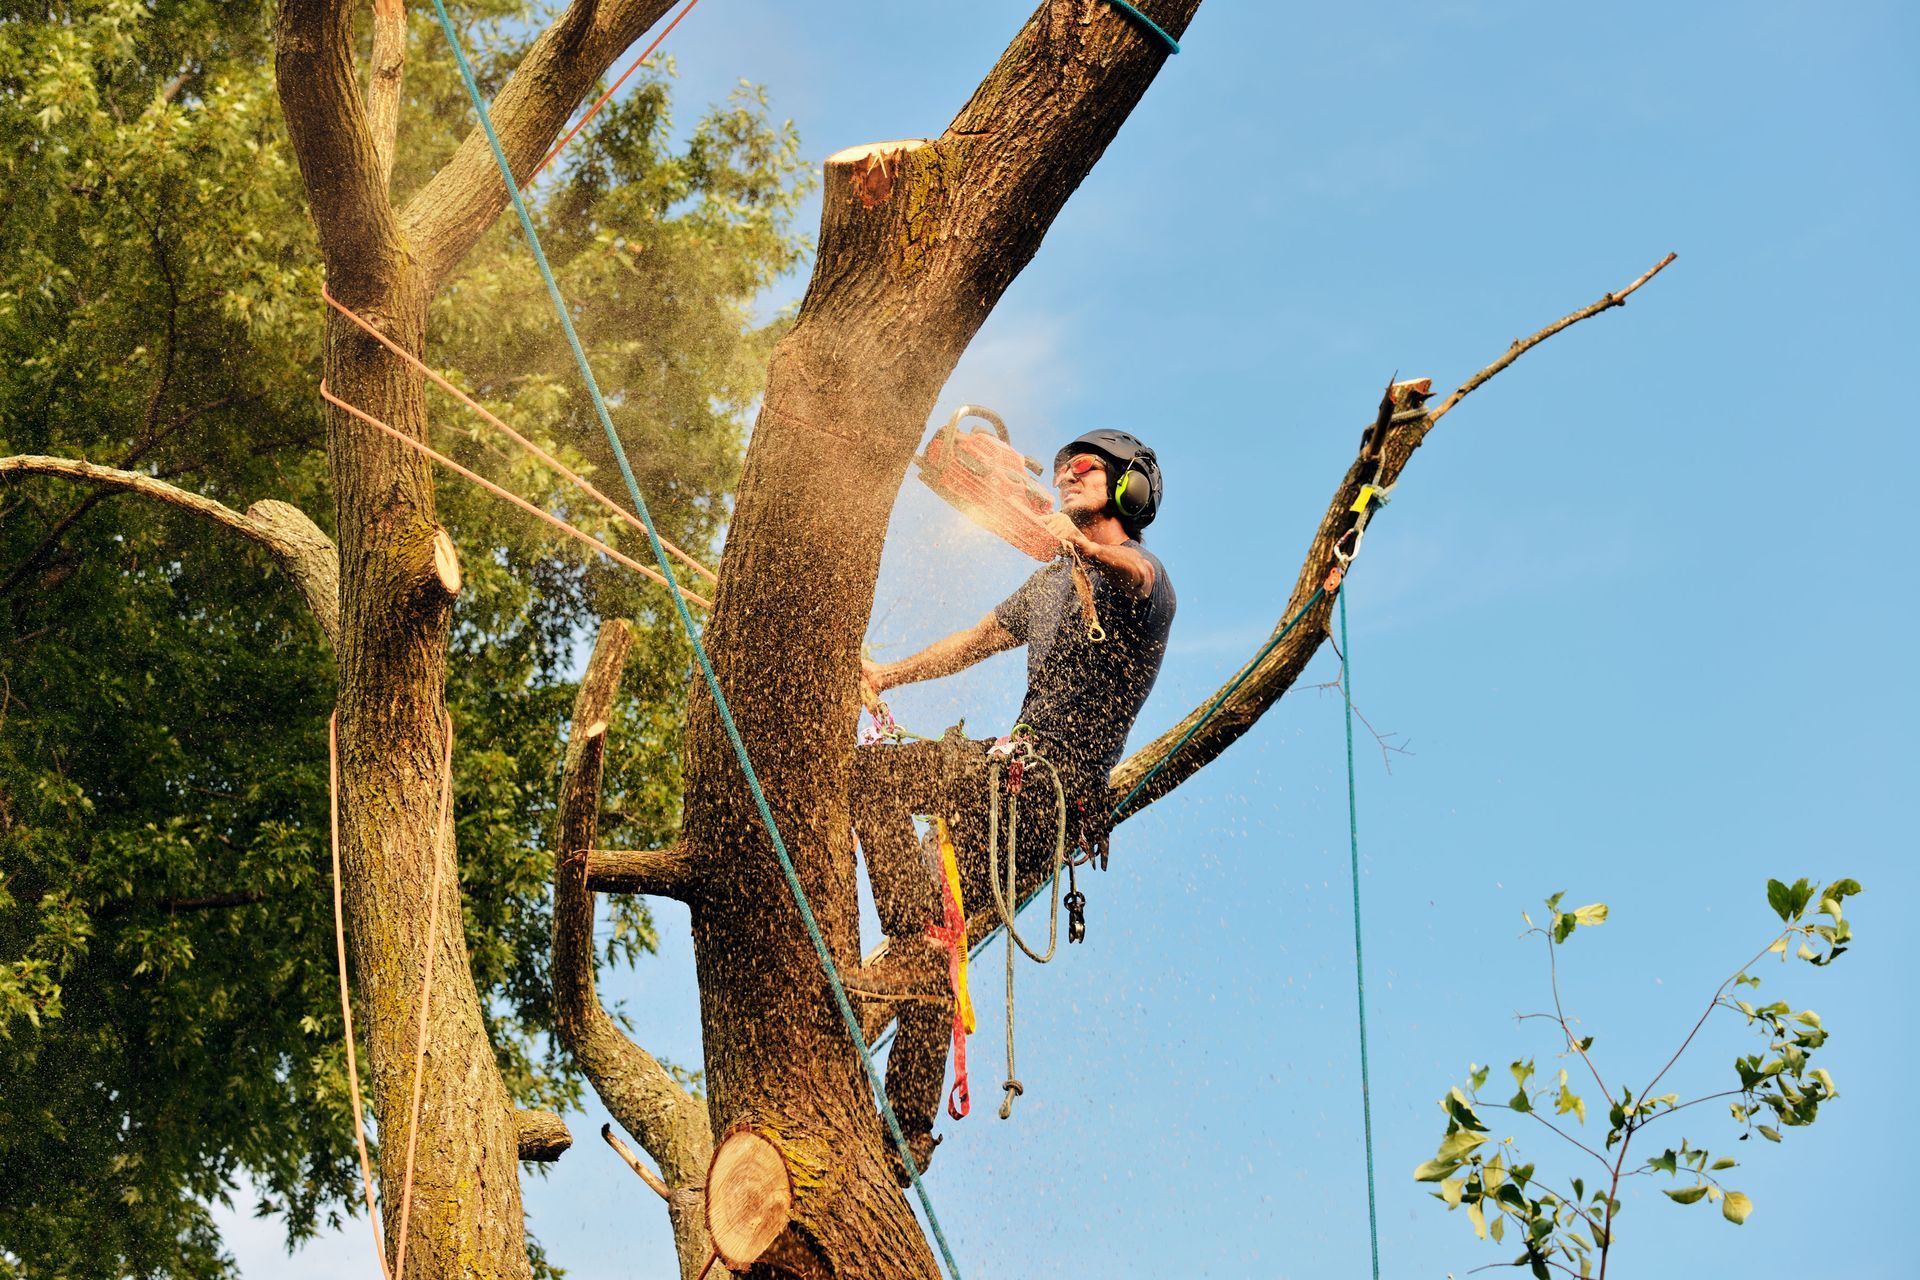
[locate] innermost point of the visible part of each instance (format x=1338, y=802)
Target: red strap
x=951, y=933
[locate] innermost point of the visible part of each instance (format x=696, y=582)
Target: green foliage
x=169, y=1023
x=1565, y=1226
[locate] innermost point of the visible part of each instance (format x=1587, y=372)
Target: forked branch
x=462, y=200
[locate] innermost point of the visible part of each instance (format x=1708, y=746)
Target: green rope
x=1359, y=959
x=699, y=649
x=1146, y=24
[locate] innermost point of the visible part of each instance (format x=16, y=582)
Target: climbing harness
x=989, y=481
x=787, y=871
x=1147, y=25
x=1015, y=753
x=442, y=836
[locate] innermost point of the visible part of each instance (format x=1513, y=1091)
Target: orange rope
x=443, y=835
x=514, y=498
x=439, y=381
x=442, y=829
x=611, y=89
x=346, y=1005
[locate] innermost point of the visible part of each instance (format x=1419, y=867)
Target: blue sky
x=1636, y=609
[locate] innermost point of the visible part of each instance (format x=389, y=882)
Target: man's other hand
x=873, y=681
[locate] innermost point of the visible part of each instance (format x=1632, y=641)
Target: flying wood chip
x=749, y=1197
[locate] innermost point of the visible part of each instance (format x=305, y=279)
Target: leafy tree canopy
x=169, y=1021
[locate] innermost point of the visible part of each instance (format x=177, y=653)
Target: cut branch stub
x=543, y=1135
x=446, y=562
x=660, y=873
x=749, y=1197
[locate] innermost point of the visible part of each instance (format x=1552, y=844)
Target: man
x=1082, y=696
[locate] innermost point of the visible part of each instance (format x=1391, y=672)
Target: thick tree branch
x=660, y=873
x=384, y=82
x=304, y=553
x=669, y=1122
x=543, y=1135
x=456, y=207
x=1380, y=463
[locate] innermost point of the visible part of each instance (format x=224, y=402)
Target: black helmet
x=1133, y=473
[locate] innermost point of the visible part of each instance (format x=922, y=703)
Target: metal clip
x=1344, y=554
x=1076, y=904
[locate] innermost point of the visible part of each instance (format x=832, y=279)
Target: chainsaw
x=991, y=483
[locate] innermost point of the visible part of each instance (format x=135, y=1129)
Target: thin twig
x=1553, y=977
x=1557, y=1129
x=1711, y=1006
x=1725, y=1093
x=1522, y=345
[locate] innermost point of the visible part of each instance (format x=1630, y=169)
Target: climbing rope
x=1147, y=25
x=1020, y=753
x=1359, y=959
x=443, y=836
x=791, y=876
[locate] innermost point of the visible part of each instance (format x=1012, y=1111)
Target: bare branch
x=296, y=543
x=456, y=207
x=543, y=1135
x=635, y=1163
x=1560, y=1015
x=384, y=82
x=670, y=1123
x=1383, y=456
x=1523, y=345
x=659, y=873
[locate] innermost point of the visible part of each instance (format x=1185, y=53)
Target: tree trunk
x=466, y=1217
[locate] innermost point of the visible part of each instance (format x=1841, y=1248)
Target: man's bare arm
x=943, y=657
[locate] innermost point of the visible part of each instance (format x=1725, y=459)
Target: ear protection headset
x=1133, y=492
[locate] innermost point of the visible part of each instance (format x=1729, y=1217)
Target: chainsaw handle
x=966, y=411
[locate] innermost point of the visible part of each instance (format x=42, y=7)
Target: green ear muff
x=1129, y=509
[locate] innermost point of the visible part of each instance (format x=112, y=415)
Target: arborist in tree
x=1095, y=622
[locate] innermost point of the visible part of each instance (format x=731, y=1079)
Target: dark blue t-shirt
x=1082, y=697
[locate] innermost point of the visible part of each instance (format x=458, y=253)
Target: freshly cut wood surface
x=749, y=1197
